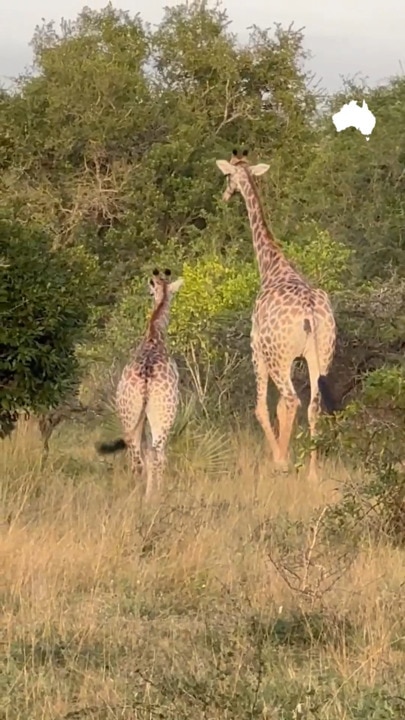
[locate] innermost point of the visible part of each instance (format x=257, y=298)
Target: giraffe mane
x=152, y=331
x=255, y=192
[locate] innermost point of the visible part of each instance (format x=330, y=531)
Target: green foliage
x=127, y=322
x=369, y=433
x=213, y=290
x=321, y=258
x=128, y=166
x=44, y=308
x=385, y=387
x=356, y=187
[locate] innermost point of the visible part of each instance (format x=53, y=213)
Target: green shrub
x=44, y=308
x=319, y=257
x=369, y=435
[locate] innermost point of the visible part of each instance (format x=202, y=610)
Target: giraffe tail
x=107, y=448
x=327, y=397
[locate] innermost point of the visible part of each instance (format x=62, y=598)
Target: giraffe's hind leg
x=160, y=411
x=314, y=407
x=132, y=412
x=287, y=407
x=134, y=442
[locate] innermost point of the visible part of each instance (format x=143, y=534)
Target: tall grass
x=213, y=603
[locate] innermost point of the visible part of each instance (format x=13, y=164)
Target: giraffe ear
x=176, y=285
x=259, y=169
x=225, y=167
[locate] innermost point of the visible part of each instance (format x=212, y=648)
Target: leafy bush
x=213, y=290
x=319, y=257
x=368, y=434
x=44, y=308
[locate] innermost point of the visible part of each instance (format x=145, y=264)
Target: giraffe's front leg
x=286, y=412
x=262, y=412
x=286, y=408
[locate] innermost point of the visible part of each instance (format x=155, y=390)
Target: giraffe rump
x=107, y=448
x=326, y=394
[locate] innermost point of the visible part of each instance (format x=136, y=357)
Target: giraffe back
x=151, y=369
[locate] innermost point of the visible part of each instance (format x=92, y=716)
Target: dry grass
x=211, y=604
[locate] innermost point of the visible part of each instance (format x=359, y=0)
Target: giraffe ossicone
x=290, y=319
x=148, y=388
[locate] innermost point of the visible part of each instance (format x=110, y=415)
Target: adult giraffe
x=148, y=388
x=290, y=319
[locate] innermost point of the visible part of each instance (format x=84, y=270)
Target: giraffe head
x=236, y=171
x=160, y=286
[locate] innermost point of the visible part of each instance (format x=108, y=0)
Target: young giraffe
x=148, y=387
x=290, y=320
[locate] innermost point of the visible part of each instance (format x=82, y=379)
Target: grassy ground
x=227, y=599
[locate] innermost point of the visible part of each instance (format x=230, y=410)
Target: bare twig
x=310, y=576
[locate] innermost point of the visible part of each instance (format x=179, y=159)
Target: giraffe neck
x=268, y=253
x=159, y=321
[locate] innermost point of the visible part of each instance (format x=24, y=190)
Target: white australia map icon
x=357, y=116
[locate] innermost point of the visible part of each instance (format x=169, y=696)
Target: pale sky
x=345, y=36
